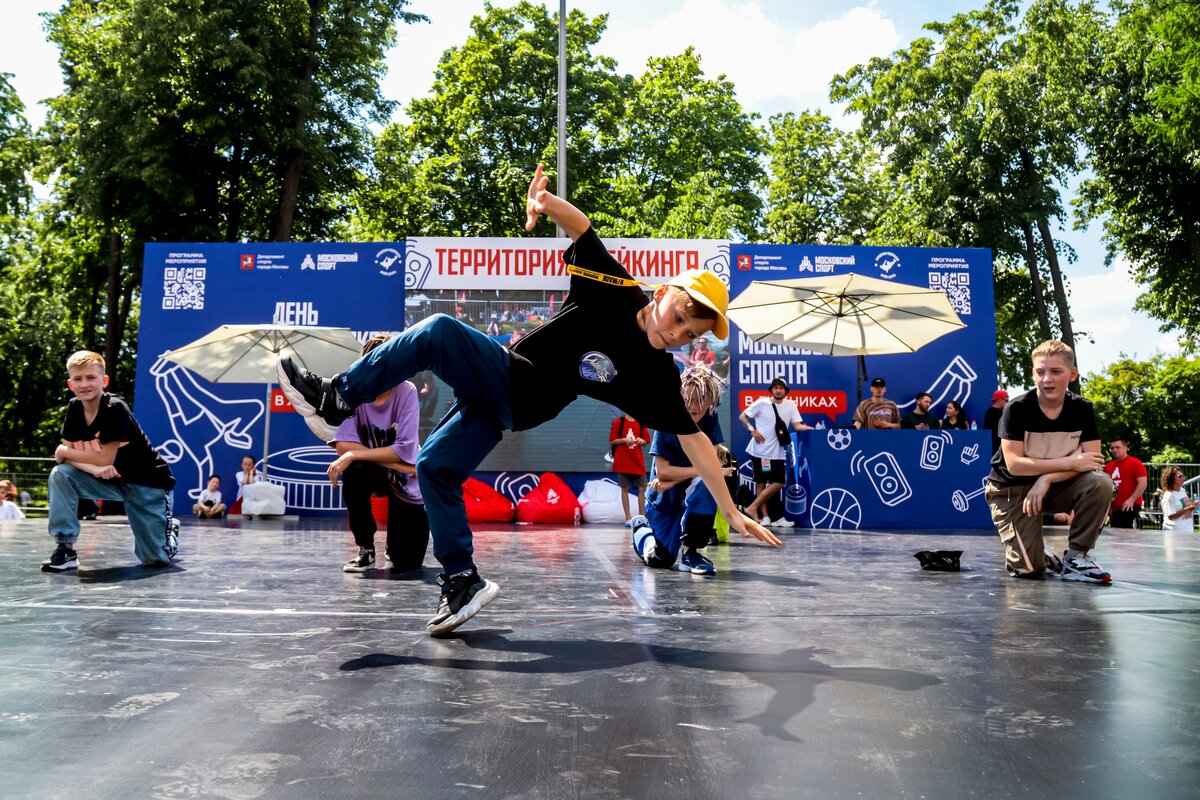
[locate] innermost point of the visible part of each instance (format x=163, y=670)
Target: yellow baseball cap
x=708, y=290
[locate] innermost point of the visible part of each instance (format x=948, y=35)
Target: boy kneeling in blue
x=680, y=510
x=607, y=341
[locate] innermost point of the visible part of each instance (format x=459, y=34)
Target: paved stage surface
x=832, y=667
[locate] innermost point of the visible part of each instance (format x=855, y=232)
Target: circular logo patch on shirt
x=595, y=366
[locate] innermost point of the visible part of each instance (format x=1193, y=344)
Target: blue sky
x=779, y=54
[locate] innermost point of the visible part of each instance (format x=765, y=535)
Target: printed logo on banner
x=183, y=288
x=886, y=262
x=388, y=259
x=417, y=267
x=308, y=262
x=719, y=264
x=744, y=262
x=247, y=261
x=805, y=265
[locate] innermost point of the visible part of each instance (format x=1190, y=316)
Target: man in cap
x=991, y=417
x=877, y=412
x=771, y=420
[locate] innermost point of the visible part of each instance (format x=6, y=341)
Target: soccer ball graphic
x=838, y=438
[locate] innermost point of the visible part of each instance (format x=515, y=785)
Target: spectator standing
x=991, y=417
x=919, y=418
x=770, y=421
x=1177, y=509
x=877, y=412
x=1130, y=478
x=627, y=437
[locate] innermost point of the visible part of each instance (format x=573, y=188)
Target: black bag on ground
x=939, y=560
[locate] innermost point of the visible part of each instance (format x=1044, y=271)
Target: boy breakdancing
x=608, y=341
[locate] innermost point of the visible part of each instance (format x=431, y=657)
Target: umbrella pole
x=862, y=374
x=267, y=429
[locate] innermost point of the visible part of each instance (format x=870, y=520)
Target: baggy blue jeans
x=670, y=526
x=476, y=367
x=148, y=509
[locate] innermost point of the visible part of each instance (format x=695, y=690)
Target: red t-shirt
x=626, y=459
x=1125, y=474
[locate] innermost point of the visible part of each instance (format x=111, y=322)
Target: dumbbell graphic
x=962, y=500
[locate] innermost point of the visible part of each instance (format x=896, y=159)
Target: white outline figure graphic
x=514, y=486
x=953, y=384
x=190, y=408
x=969, y=455
x=301, y=471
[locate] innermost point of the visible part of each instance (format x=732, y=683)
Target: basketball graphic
x=836, y=508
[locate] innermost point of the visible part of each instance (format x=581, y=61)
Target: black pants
x=1124, y=519
x=407, y=527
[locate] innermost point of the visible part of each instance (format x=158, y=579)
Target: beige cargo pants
x=1089, y=495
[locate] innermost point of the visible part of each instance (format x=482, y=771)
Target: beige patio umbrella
x=247, y=354
x=844, y=315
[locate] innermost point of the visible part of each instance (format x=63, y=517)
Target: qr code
x=957, y=286
x=183, y=287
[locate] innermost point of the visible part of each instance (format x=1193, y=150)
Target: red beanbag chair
x=485, y=504
x=551, y=502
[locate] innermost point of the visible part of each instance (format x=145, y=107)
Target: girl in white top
x=248, y=474
x=1177, y=509
x=9, y=509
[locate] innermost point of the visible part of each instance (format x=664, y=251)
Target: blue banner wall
x=891, y=479
x=204, y=428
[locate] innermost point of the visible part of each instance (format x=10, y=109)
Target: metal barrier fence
x=1151, y=516
x=28, y=474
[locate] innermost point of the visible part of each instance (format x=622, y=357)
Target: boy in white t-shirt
x=209, y=506
x=769, y=420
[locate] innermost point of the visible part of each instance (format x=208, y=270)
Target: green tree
x=1151, y=404
x=16, y=159
x=1145, y=146
x=204, y=121
x=462, y=165
x=825, y=185
x=684, y=140
x=986, y=123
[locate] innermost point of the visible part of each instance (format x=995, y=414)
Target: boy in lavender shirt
x=377, y=450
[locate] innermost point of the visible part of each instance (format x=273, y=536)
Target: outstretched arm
x=703, y=456
x=539, y=201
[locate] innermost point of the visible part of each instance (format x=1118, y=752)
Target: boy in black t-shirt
x=105, y=455
x=608, y=341
x=1049, y=461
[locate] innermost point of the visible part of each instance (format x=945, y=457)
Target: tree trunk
x=1060, y=288
x=112, y=311
x=1035, y=279
x=233, y=216
x=1192, y=234
x=293, y=161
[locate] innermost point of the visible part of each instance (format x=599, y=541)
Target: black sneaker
x=63, y=558
x=362, y=562
x=314, y=397
x=463, y=596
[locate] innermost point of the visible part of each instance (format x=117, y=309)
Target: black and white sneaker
x=463, y=596
x=63, y=558
x=314, y=397
x=362, y=562
x=1083, y=568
